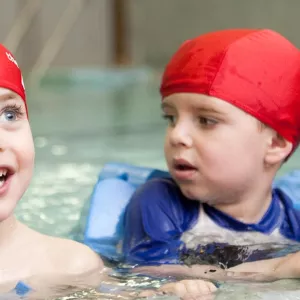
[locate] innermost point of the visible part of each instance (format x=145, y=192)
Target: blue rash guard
x=163, y=226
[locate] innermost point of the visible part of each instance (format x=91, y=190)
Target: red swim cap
x=10, y=73
x=255, y=70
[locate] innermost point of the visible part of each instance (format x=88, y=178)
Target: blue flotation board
x=290, y=184
x=112, y=192
x=116, y=184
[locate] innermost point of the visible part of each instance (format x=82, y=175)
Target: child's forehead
x=6, y=94
x=198, y=101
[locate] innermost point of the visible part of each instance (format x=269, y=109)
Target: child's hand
x=186, y=290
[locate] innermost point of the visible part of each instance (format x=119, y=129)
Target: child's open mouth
x=5, y=173
x=183, y=170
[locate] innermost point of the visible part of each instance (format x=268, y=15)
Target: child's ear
x=278, y=149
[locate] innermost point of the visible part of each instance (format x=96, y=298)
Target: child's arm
x=286, y=267
x=262, y=270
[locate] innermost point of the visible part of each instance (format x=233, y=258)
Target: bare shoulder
x=81, y=257
x=72, y=257
x=51, y=264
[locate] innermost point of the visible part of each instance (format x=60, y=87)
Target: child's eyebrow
x=202, y=108
x=166, y=105
x=8, y=96
x=209, y=110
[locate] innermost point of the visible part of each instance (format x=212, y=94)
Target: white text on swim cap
x=10, y=57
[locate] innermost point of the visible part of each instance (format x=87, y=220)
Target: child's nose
x=3, y=145
x=180, y=135
x=5, y=140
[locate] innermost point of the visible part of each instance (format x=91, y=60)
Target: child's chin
x=196, y=195
x=192, y=195
x=5, y=211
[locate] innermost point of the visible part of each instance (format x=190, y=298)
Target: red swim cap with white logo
x=10, y=74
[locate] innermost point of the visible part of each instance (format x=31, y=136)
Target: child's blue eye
x=11, y=113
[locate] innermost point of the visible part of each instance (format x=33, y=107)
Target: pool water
x=78, y=129
x=84, y=121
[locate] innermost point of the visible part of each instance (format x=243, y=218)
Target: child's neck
x=7, y=227
x=250, y=209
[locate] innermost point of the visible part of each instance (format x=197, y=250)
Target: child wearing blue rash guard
x=232, y=102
